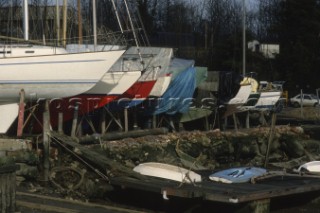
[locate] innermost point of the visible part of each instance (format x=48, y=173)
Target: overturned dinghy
x=312, y=167
x=167, y=171
x=237, y=175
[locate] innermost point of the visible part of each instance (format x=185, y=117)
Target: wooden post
x=135, y=122
x=74, y=121
x=21, y=114
x=273, y=124
x=103, y=121
x=126, y=123
x=225, y=123
x=171, y=124
x=206, y=120
x=79, y=129
x=235, y=122
x=154, y=121
x=46, y=142
x=248, y=120
x=60, y=122
x=301, y=103
x=262, y=119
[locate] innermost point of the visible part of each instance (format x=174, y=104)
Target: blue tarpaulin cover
x=178, y=96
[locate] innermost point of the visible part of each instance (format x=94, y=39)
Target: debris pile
x=215, y=149
x=26, y=158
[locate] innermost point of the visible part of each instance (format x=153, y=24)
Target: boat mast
x=94, y=24
x=64, y=30
x=79, y=22
x=25, y=20
x=58, y=22
x=244, y=38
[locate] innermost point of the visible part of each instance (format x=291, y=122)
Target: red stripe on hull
x=140, y=89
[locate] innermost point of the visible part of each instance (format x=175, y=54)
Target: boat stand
x=169, y=121
x=27, y=116
x=21, y=114
x=75, y=121
x=32, y=115
x=106, y=111
x=104, y=126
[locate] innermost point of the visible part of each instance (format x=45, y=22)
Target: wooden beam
x=121, y=135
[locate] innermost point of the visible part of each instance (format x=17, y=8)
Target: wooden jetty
x=31, y=202
x=256, y=195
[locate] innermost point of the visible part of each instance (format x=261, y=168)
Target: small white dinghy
x=167, y=171
x=237, y=175
x=310, y=167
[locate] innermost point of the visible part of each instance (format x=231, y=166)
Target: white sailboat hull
x=115, y=83
x=160, y=86
x=53, y=76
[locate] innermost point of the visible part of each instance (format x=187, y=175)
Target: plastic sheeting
x=177, y=65
x=201, y=75
x=178, y=96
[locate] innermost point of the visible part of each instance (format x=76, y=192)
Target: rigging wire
x=133, y=31
x=117, y=15
x=144, y=37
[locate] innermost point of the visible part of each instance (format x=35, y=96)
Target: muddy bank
x=216, y=149
x=309, y=114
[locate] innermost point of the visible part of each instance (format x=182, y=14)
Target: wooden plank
x=226, y=193
x=45, y=208
x=46, y=203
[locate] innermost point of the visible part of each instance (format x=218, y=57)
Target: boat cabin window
x=29, y=51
